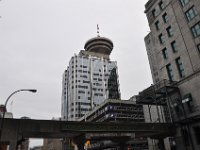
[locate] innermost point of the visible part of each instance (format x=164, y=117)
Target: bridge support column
x=80, y=146
x=122, y=143
x=80, y=142
x=13, y=145
x=161, y=144
x=122, y=146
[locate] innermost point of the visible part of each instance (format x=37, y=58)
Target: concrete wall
x=187, y=51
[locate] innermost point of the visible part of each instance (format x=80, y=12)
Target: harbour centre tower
x=90, y=78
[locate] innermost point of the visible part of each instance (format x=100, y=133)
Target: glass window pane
x=180, y=67
x=157, y=25
x=169, y=31
x=161, y=5
x=174, y=47
x=191, y=13
x=170, y=72
x=164, y=52
x=196, y=30
x=184, y=2
x=198, y=47
x=154, y=12
x=165, y=17
x=161, y=38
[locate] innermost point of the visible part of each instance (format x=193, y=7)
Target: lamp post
x=2, y=119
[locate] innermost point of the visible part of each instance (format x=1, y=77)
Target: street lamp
x=29, y=90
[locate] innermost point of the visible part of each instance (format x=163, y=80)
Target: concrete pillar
x=123, y=146
x=80, y=142
x=80, y=145
x=122, y=142
x=161, y=144
x=13, y=145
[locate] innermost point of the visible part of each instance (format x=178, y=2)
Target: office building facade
x=113, y=110
x=85, y=82
x=173, y=49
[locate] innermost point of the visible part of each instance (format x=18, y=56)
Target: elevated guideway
x=15, y=130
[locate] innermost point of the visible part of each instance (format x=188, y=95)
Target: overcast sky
x=38, y=38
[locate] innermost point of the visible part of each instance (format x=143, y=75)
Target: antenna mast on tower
x=98, y=31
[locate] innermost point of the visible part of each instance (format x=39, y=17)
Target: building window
x=164, y=52
x=196, y=30
x=174, y=47
x=184, y=2
x=161, y=5
x=165, y=17
x=157, y=25
x=154, y=12
x=191, y=13
x=170, y=72
x=169, y=31
x=180, y=67
x=198, y=47
x=187, y=100
x=197, y=134
x=161, y=38
x=83, y=92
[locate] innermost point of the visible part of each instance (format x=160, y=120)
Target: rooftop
x=99, y=44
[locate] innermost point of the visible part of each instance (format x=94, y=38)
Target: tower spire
x=98, y=31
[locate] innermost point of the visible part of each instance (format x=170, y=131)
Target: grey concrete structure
x=112, y=110
x=173, y=48
x=15, y=130
x=85, y=82
x=52, y=144
x=156, y=100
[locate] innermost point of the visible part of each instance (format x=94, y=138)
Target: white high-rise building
x=85, y=82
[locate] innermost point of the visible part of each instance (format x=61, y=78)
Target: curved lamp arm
x=30, y=90
x=2, y=120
